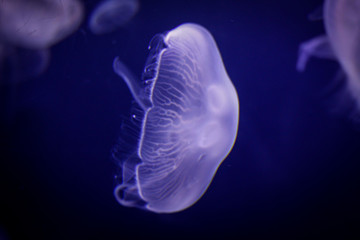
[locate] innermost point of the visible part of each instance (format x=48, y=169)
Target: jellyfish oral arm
x=133, y=84
x=317, y=47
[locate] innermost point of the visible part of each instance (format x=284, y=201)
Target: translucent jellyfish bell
x=341, y=42
x=111, y=14
x=189, y=124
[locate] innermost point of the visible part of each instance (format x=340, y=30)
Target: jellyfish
x=112, y=14
x=341, y=43
x=189, y=123
x=20, y=64
x=38, y=24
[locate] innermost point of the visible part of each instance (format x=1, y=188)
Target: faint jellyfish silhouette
x=27, y=29
x=187, y=122
x=20, y=64
x=112, y=14
x=341, y=43
x=38, y=24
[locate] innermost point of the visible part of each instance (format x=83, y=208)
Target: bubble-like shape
x=189, y=125
x=37, y=24
x=112, y=14
x=341, y=43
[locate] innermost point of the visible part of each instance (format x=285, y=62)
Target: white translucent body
x=190, y=127
x=38, y=24
x=342, y=42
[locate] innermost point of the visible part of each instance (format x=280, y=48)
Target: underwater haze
x=292, y=172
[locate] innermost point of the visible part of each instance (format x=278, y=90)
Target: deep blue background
x=293, y=171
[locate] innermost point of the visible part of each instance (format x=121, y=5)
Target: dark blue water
x=293, y=171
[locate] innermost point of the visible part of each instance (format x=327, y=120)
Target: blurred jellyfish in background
x=188, y=126
x=109, y=15
x=38, y=24
x=341, y=43
x=28, y=28
x=18, y=64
